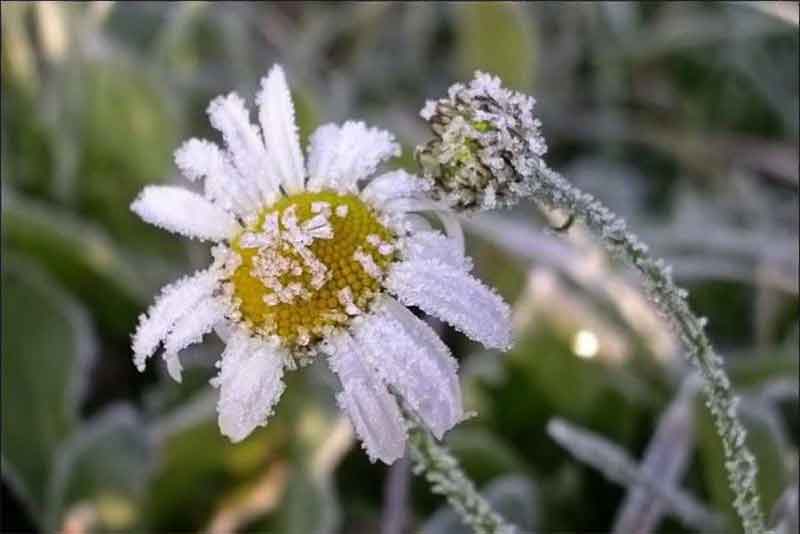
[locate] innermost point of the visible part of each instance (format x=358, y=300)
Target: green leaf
x=497, y=37
x=128, y=140
x=48, y=343
x=106, y=463
x=484, y=455
x=219, y=467
x=309, y=506
x=82, y=256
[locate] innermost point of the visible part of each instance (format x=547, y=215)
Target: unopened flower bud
x=487, y=147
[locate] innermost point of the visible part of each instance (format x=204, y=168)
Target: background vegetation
x=682, y=117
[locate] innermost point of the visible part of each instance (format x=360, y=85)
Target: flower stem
x=446, y=478
x=553, y=191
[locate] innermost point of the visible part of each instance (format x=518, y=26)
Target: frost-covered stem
x=446, y=478
x=487, y=151
x=552, y=190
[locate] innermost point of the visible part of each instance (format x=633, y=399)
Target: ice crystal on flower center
x=308, y=264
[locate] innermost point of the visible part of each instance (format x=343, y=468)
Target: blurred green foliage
x=684, y=117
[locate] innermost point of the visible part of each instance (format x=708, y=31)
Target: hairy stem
x=446, y=478
x=553, y=191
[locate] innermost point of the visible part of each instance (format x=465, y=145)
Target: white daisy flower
x=309, y=261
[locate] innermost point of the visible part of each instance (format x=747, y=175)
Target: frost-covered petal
x=175, y=301
x=372, y=409
x=393, y=185
x=190, y=329
x=276, y=115
x=250, y=382
x=198, y=158
x=432, y=244
x=184, y=212
x=455, y=297
x=449, y=220
x=230, y=116
x=340, y=156
x=411, y=358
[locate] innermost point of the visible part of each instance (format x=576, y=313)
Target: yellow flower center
x=310, y=263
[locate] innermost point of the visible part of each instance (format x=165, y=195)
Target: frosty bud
x=487, y=148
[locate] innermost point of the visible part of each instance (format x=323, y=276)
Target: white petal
x=455, y=297
x=371, y=408
x=198, y=158
x=229, y=115
x=250, y=382
x=276, y=115
x=448, y=218
x=190, y=329
x=340, y=156
x=176, y=301
x=183, y=212
x=415, y=223
x=411, y=358
x=432, y=244
x=393, y=185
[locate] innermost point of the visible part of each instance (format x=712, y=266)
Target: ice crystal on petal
x=230, y=116
x=176, y=301
x=394, y=185
x=340, y=156
x=371, y=408
x=455, y=297
x=410, y=357
x=198, y=158
x=431, y=244
x=183, y=212
x=190, y=329
x=276, y=115
x=250, y=383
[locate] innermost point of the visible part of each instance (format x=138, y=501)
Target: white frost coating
x=411, y=358
x=428, y=245
x=250, y=383
x=276, y=115
x=230, y=116
x=455, y=297
x=183, y=212
x=450, y=222
x=322, y=148
x=175, y=301
x=189, y=330
x=340, y=156
x=393, y=185
x=371, y=408
x=198, y=158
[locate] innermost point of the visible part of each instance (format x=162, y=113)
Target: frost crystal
x=486, y=147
